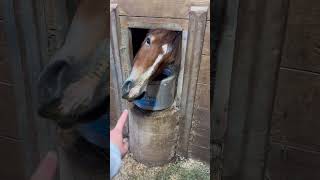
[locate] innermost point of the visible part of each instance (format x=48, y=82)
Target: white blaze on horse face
x=134, y=74
x=140, y=84
x=152, y=38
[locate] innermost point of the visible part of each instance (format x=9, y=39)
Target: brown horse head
x=158, y=49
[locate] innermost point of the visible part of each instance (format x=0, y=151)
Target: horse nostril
x=127, y=87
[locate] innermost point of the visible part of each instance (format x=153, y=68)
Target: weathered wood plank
x=2, y=33
x=201, y=137
x=286, y=162
x=26, y=124
x=304, y=12
x=202, y=118
x=5, y=74
x=302, y=47
x=152, y=23
x=295, y=117
x=155, y=8
x=261, y=27
x=204, y=75
x=199, y=153
x=201, y=98
x=149, y=131
x=11, y=158
x=8, y=112
x=190, y=72
x=302, y=44
x=206, y=43
x=116, y=59
x=114, y=108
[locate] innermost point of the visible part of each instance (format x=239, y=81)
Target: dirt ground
x=182, y=169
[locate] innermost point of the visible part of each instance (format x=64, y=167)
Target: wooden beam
x=116, y=64
x=224, y=28
x=259, y=39
x=196, y=31
x=26, y=124
x=162, y=9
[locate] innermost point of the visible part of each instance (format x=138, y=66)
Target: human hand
x=47, y=168
x=116, y=136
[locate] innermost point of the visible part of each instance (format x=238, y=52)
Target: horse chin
x=135, y=96
x=136, y=93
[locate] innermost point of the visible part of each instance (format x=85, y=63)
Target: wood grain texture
x=201, y=138
x=118, y=59
x=302, y=44
x=202, y=99
x=5, y=73
x=304, y=12
x=8, y=113
x=155, y=8
x=295, y=117
x=2, y=33
x=287, y=162
x=191, y=66
x=11, y=158
x=203, y=116
x=261, y=26
x=302, y=47
x=206, y=43
x=25, y=120
x=199, y=153
x=204, y=72
x=153, y=136
x=153, y=23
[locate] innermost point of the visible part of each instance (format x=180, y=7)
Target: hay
x=179, y=170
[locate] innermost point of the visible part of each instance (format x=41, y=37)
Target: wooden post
x=224, y=27
x=26, y=124
x=197, y=26
x=115, y=60
x=259, y=39
x=153, y=135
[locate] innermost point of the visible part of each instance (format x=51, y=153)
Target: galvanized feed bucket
x=160, y=92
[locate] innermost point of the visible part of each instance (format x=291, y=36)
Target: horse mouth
x=133, y=98
x=51, y=111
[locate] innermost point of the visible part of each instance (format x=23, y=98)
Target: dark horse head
x=68, y=94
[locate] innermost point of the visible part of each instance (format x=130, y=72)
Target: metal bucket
x=160, y=92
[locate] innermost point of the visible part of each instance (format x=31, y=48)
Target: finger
x=47, y=167
x=122, y=120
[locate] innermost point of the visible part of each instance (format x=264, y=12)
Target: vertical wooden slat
x=197, y=25
x=258, y=46
x=116, y=64
x=25, y=123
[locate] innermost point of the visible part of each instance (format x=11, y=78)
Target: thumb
x=125, y=146
x=47, y=168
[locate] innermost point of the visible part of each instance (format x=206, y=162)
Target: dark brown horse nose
x=126, y=88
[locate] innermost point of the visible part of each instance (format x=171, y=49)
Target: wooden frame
x=193, y=30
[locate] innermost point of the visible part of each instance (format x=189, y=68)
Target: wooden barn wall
x=295, y=135
x=155, y=8
x=11, y=166
x=199, y=145
x=200, y=132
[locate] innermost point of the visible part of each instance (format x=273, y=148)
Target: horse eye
x=148, y=41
